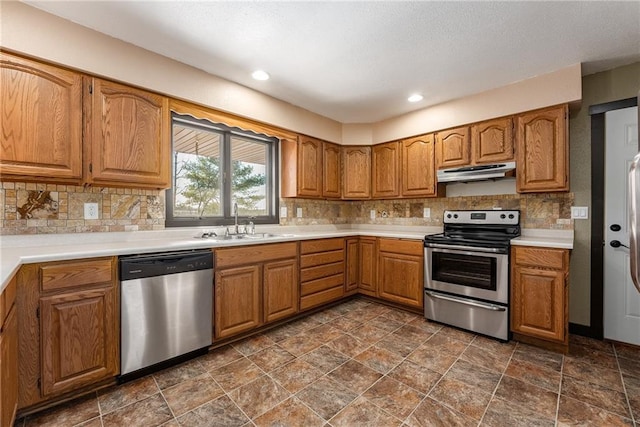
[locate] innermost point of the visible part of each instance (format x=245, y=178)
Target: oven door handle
x=466, y=301
x=465, y=248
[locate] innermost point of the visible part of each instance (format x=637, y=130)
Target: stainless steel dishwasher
x=166, y=307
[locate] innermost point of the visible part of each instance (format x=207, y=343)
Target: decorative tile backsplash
x=28, y=208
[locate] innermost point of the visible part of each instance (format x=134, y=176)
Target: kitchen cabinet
x=353, y=261
x=401, y=271
x=453, y=148
x=254, y=285
x=543, y=150
x=69, y=327
x=367, y=266
x=418, y=168
x=331, y=163
x=41, y=110
x=8, y=355
x=492, y=141
x=322, y=271
x=128, y=136
x=356, y=172
x=385, y=168
x=539, y=293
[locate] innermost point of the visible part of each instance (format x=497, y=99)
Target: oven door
x=468, y=272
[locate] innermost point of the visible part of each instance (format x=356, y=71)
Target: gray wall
x=607, y=86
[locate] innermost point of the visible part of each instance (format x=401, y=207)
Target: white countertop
x=27, y=249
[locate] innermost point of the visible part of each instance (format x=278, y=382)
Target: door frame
x=597, y=113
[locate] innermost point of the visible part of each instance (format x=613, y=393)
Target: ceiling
x=357, y=62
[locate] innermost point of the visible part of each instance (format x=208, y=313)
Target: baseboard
x=584, y=330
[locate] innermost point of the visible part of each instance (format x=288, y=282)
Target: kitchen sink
x=256, y=236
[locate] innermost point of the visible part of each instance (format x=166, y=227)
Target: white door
x=621, y=299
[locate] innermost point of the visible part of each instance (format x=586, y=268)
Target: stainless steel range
x=467, y=271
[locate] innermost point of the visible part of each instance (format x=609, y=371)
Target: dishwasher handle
x=161, y=264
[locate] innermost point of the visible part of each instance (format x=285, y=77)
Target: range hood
x=477, y=173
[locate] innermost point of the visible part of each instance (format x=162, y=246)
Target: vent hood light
x=416, y=97
x=260, y=75
x=477, y=173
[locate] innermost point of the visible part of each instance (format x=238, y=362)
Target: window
x=215, y=167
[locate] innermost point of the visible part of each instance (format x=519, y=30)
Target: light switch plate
x=283, y=212
x=299, y=212
x=579, y=212
x=372, y=213
x=91, y=211
x=426, y=212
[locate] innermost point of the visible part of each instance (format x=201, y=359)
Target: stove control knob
x=511, y=216
x=455, y=216
x=449, y=216
x=502, y=216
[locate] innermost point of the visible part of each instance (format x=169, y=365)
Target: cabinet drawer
x=397, y=246
x=320, y=298
x=252, y=254
x=556, y=259
x=76, y=273
x=318, y=285
x=7, y=299
x=313, y=273
x=321, y=245
x=313, y=260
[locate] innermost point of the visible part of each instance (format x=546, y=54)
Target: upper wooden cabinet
x=310, y=168
x=356, y=172
x=418, y=167
x=385, y=161
x=331, y=162
x=453, y=148
x=543, y=150
x=40, y=122
x=127, y=137
x=492, y=141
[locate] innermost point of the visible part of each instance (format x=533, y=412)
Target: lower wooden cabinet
x=254, y=285
x=322, y=271
x=8, y=356
x=367, y=266
x=69, y=327
x=539, y=293
x=353, y=262
x=401, y=271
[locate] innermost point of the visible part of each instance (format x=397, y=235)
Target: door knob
x=615, y=227
x=617, y=244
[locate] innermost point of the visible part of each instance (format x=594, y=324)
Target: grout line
x=624, y=386
x=165, y=399
x=495, y=389
x=560, y=389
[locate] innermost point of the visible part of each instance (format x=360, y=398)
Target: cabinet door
x=351, y=284
x=79, y=339
x=9, y=369
x=367, y=272
x=492, y=141
x=128, y=132
x=356, y=173
x=418, y=167
x=401, y=272
x=385, y=162
x=538, y=307
x=237, y=300
x=280, y=287
x=452, y=148
x=41, y=121
x=331, y=156
x=309, y=167
x=543, y=151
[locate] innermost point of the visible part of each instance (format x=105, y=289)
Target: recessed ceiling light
x=260, y=75
x=415, y=98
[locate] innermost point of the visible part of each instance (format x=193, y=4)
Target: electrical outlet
x=283, y=212
x=372, y=213
x=299, y=212
x=579, y=212
x=426, y=212
x=91, y=211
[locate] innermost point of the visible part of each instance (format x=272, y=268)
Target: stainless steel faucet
x=235, y=215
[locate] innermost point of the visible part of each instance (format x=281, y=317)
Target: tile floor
x=365, y=364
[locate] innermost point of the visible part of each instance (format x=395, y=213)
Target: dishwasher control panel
x=161, y=264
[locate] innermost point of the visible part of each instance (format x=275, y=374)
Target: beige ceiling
x=356, y=62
